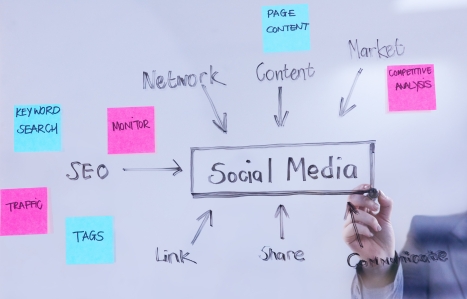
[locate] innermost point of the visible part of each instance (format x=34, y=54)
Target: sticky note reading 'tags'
x=286, y=28
x=38, y=128
x=411, y=87
x=131, y=130
x=90, y=240
x=23, y=211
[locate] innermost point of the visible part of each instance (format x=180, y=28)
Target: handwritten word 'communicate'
x=405, y=257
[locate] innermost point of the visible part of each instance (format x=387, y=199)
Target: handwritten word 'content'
x=262, y=73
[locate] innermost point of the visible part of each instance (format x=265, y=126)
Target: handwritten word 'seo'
x=349, y=171
x=102, y=171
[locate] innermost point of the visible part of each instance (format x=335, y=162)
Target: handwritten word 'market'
x=381, y=52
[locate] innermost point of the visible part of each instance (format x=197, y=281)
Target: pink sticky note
x=23, y=211
x=411, y=87
x=131, y=130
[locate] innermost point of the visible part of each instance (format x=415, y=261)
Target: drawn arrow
x=342, y=109
x=281, y=210
x=206, y=215
x=279, y=120
x=221, y=125
x=177, y=169
x=353, y=210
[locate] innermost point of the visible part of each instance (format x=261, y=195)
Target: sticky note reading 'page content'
x=90, y=240
x=131, y=130
x=286, y=28
x=411, y=87
x=23, y=211
x=38, y=128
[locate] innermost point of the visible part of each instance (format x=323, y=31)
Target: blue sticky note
x=286, y=28
x=90, y=240
x=38, y=128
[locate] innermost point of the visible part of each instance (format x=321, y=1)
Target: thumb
x=385, y=206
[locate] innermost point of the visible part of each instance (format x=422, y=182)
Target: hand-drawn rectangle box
x=331, y=168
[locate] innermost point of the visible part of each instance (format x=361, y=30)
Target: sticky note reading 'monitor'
x=131, y=130
x=23, y=211
x=38, y=128
x=411, y=87
x=286, y=28
x=90, y=240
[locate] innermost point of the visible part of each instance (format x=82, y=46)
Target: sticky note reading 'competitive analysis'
x=286, y=28
x=38, y=128
x=90, y=240
x=131, y=130
x=411, y=87
x=23, y=211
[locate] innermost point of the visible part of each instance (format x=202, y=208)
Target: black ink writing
x=42, y=110
x=92, y=236
x=327, y=172
x=138, y=124
x=280, y=256
x=380, y=52
x=100, y=171
x=169, y=257
x=405, y=257
x=28, y=204
x=174, y=82
x=294, y=74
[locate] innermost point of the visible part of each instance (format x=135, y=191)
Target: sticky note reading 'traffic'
x=90, y=240
x=131, y=130
x=411, y=87
x=38, y=128
x=23, y=211
x=286, y=28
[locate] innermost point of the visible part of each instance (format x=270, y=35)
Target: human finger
x=363, y=202
x=386, y=206
x=364, y=218
x=349, y=232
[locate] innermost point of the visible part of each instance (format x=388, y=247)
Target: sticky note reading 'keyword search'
x=23, y=211
x=90, y=240
x=286, y=28
x=38, y=128
x=131, y=130
x=411, y=87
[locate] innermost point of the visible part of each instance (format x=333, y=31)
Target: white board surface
x=87, y=56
